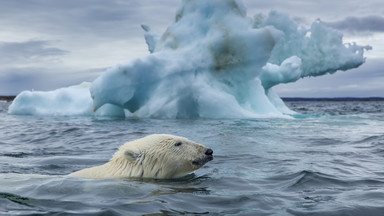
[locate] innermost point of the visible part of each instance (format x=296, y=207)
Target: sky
x=45, y=45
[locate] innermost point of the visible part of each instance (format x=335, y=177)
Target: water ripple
x=320, y=164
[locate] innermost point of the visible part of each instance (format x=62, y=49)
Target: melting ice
x=213, y=61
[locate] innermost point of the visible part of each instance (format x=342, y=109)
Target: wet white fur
x=154, y=156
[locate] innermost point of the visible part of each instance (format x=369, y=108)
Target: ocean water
x=327, y=160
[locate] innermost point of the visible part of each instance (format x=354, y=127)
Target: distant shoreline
x=287, y=99
x=7, y=98
x=333, y=99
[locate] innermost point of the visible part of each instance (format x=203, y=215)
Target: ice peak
x=214, y=61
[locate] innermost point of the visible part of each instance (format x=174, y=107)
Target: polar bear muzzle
x=208, y=156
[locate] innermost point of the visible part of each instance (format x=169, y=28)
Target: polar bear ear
x=132, y=155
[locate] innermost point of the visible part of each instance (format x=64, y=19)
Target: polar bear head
x=161, y=156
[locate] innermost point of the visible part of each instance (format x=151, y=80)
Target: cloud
x=58, y=40
x=24, y=52
x=359, y=24
x=112, y=19
x=13, y=80
x=365, y=81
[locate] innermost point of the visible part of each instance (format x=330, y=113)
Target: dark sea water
x=328, y=160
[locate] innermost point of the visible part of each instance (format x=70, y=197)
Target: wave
x=16, y=199
x=338, y=211
x=307, y=179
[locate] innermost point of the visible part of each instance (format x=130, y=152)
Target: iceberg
x=213, y=61
x=73, y=100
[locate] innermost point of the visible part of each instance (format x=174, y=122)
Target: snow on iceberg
x=73, y=100
x=213, y=61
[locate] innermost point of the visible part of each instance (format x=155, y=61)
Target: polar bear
x=158, y=156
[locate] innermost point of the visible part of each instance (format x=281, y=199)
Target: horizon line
x=12, y=97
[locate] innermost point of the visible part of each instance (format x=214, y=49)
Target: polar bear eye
x=178, y=143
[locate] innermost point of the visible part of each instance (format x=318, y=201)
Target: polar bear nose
x=208, y=151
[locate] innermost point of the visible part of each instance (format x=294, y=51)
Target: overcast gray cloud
x=16, y=79
x=329, y=10
x=22, y=52
x=360, y=24
x=365, y=81
x=53, y=43
x=99, y=18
